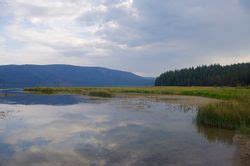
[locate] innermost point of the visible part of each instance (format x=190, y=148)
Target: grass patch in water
x=54, y=90
x=86, y=91
x=100, y=93
x=234, y=114
x=5, y=95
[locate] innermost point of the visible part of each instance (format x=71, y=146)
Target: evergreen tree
x=213, y=75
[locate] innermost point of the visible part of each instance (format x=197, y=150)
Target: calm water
x=79, y=130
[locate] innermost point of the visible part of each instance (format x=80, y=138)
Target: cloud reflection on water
x=120, y=131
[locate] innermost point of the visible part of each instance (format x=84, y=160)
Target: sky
x=146, y=37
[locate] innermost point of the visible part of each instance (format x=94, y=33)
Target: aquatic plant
x=100, y=93
x=234, y=114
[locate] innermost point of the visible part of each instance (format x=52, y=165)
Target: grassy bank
x=225, y=93
x=232, y=113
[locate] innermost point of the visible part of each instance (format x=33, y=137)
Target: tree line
x=213, y=75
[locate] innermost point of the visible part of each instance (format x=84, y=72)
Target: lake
x=124, y=130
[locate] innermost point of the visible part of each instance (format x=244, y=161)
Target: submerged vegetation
x=232, y=112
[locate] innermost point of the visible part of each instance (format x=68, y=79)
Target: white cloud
x=2, y=40
x=126, y=34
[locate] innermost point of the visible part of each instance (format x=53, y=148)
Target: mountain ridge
x=30, y=75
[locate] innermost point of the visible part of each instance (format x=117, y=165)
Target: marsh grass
x=47, y=90
x=233, y=112
x=224, y=93
x=5, y=95
x=224, y=115
x=100, y=93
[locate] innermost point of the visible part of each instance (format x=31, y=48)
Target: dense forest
x=213, y=75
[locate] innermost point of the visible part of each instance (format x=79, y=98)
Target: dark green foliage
x=213, y=75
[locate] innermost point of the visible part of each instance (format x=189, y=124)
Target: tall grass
x=232, y=114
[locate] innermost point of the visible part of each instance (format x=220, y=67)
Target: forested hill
x=66, y=75
x=213, y=75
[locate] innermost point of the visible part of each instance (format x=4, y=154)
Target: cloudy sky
x=142, y=36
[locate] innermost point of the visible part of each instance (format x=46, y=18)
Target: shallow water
x=80, y=130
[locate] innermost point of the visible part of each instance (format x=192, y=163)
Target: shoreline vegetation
x=4, y=95
x=212, y=75
x=232, y=112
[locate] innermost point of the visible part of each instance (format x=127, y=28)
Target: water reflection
x=241, y=142
x=120, y=131
x=18, y=97
x=242, y=153
x=217, y=135
x=3, y=115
